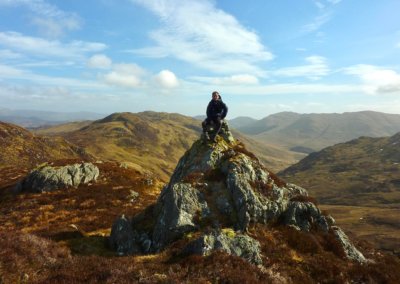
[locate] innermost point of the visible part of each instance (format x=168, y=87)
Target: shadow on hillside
x=81, y=244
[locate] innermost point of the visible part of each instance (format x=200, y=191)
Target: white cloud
x=199, y=33
x=275, y=89
x=318, y=22
x=9, y=72
x=54, y=27
x=51, y=21
x=316, y=68
x=8, y=54
x=242, y=79
x=125, y=75
x=99, y=61
x=376, y=80
x=167, y=79
x=47, y=48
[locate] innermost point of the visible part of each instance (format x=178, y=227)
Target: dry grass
x=380, y=226
x=60, y=237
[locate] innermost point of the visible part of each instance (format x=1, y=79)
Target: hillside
x=241, y=121
x=151, y=141
x=359, y=182
x=311, y=132
x=33, y=118
x=364, y=172
x=62, y=236
x=21, y=149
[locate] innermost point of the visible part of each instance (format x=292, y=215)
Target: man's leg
x=204, y=125
x=217, y=124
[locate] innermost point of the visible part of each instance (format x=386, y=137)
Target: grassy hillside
x=363, y=172
x=241, y=121
x=20, y=148
x=378, y=226
x=358, y=182
x=58, y=129
x=151, y=141
x=312, y=132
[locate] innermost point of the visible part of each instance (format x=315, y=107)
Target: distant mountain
x=241, y=122
x=34, y=118
x=20, y=148
x=362, y=172
x=152, y=141
x=312, y=132
x=200, y=117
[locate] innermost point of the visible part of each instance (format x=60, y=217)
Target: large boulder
x=223, y=187
x=49, y=178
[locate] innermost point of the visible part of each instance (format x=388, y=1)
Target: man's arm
x=224, y=111
x=208, y=112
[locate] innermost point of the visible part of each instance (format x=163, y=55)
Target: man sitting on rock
x=216, y=112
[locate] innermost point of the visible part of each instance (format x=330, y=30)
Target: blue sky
x=263, y=56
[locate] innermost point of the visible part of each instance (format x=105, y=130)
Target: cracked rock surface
x=221, y=187
x=52, y=178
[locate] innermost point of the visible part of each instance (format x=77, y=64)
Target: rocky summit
x=216, y=192
x=48, y=178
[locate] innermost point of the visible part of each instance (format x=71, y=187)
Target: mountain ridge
x=316, y=131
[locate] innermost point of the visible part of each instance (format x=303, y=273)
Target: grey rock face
x=53, y=178
x=123, y=239
x=177, y=206
x=245, y=181
x=222, y=187
x=302, y=215
x=349, y=249
x=236, y=244
x=225, y=133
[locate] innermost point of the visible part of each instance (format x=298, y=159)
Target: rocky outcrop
x=228, y=241
x=350, y=250
x=49, y=178
x=223, y=188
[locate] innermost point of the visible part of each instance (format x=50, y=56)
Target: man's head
x=215, y=96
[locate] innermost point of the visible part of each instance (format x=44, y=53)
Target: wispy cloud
x=316, y=68
x=377, y=80
x=318, y=22
x=325, y=14
x=241, y=79
x=6, y=54
x=334, y=2
x=48, y=48
x=51, y=21
x=199, y=33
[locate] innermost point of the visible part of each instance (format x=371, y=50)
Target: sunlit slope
x=152, y=141
x=313, y=132
x=21, y=148
x=363, y=172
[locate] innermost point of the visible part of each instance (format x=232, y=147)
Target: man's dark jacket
x=217, y=109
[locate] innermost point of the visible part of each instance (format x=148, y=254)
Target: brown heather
x=39, y=245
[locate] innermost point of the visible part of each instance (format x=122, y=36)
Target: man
x=216, y=111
